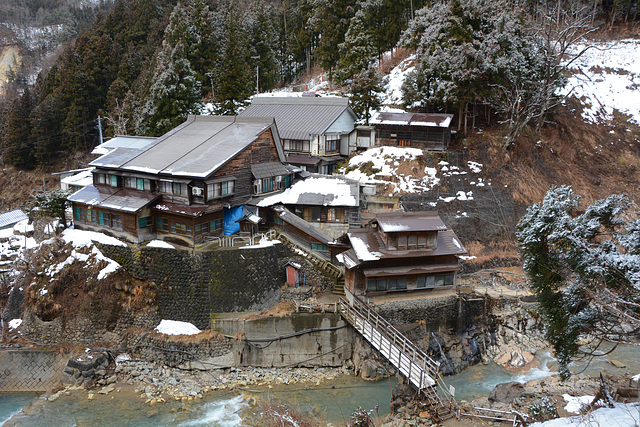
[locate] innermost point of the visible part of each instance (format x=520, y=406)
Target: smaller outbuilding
x=400, y=252
x=417, y=130
x=11, y=218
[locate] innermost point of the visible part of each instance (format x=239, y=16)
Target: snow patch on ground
x=174, y=327
x=160, y=244
x=576, y=403
x=620, y=415
x=263, y=243
x=393, y=95
x=383, y=163
x=15, y=324
x=607, y=77
x=80, y=238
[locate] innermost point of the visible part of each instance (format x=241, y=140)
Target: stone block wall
x=30, y=370
x=191, y=285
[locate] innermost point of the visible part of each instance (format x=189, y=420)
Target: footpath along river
x=334, y=400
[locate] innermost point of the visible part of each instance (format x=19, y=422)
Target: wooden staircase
x=338, y=287
x=412, y=363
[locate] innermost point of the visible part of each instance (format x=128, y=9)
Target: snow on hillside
x=607, y=77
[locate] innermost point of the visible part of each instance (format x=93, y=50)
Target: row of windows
x=411, y=240
x=301, y=145
x=163, y=224
x=98, y=217
x=332, y=143
x=220, y=189
x=314, y=214
x=407, y=136
x=267, y=185
x=400, y=283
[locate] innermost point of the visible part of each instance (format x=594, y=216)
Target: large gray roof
x=391, y=222
x=113, y=198
x=196, y=148
x=299, y=117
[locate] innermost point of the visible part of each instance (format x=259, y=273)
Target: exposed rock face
x=401, y=395
x=367, y=362
x=514, y=358
x=506, y=392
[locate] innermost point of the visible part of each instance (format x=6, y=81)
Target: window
x=113, y=180
x=92, y=215
x=139, y=184
x=384, y=134
x=178, y=228
x=103, y=218
x=332, y=143
x=422, y=240
x=145, y=221
x=278, y=221
x=177, y=188
x=404, y=135
x=116, y=221
x=412, y=241
x=100, y=178
x=162, y=224
x=312, y=213
x=319, y=247
x=335, y=215
x=296, y=145
x=220, y=189
x=164, y=186
x=364, y=133
x=328, y=169
x=215, y=225
x=78, y=213
x=402, y=241
x=267, y=185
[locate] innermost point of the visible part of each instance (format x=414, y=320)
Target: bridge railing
x=396, y=347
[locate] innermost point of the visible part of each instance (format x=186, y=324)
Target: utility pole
x=257, y=73
x=100, y=129
x=210, y=74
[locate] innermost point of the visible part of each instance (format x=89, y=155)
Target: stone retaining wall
x=30, y=370
x=193, y=285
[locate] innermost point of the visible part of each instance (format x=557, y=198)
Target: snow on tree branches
x=584, y=267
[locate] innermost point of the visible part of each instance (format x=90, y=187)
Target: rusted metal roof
x=174, y=208
x=412, y=119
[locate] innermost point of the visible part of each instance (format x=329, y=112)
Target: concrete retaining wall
x=30, y=370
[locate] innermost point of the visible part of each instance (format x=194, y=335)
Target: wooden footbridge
x=412, y=363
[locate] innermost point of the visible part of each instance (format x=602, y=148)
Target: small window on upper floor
x=113, y=180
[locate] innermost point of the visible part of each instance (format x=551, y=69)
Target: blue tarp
x=231, y=215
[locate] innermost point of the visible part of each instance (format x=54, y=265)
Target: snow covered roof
x=196, y=148
x=300, y=117
x=292, y=219
x=80, y=179
x=124, y=141
x=12, y=217
x=113, y=198
x=317, y=190
x=412, y=119
x=391, y=222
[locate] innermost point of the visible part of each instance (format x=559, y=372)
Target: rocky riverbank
x=157, y=383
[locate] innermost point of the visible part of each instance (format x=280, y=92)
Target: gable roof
x=412, y=119
x=391, y=222
x=299, y=117
x=319, y=190
x=196, y=148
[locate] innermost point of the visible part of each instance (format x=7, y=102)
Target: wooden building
x=400, y=252
x=417, y=130
x=315, y=131
x=329, y=203
x=190, y=183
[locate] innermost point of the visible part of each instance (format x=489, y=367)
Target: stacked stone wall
x=30, y=370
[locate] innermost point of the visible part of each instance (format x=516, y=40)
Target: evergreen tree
x=464, y=49
x=357, y=51
x=331, y=19
x=234, y=77
x=584, y=269
x=174, y=94
x=366, y=93
x=17, y=145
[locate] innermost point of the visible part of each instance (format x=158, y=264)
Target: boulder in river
x=506, y=392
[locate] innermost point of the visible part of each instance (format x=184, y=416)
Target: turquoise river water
x=334, y=401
